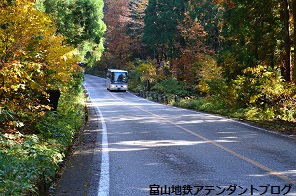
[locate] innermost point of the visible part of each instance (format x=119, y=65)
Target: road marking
x=265, y=130
x=103, y=188
x=104, y=176
x=263, y=167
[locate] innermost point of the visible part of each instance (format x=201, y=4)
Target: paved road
x=146, y=148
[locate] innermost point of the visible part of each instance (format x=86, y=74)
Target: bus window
x=119, y=77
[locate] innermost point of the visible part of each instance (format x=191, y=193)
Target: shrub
x=213, y=85
x=140, y=72
x=264, y=94
x=28, y=161
x=171, y=86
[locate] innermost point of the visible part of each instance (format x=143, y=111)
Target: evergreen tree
x=209, y=14
x=160, y=31
x=81, y=22
x=135, y=27
x=252, y=34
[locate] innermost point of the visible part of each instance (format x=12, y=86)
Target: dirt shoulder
x=81, y=173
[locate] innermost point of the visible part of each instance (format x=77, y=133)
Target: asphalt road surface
x=146, y=148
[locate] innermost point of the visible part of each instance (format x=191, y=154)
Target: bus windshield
x=119, y=77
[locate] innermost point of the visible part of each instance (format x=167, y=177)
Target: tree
x=265, y=30
x=209, y=14
x=117, y=43
x=289, y=18
x=192, y=51
x=160, y=31
x=33, y=59
x=294, y=37
x=81, y=22
x=252, y=37
x=135, y=28
x=287, y=41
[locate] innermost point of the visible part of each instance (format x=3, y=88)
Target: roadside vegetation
x=261, y=97
x=30, y=162
x=220, y=56
x=35, y=59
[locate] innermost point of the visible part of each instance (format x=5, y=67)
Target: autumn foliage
x=33, y=59
x=225, y=52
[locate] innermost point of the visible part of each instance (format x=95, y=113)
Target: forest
x=40, y=46
x=232, y=57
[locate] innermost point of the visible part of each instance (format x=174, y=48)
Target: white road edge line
x=103, y=189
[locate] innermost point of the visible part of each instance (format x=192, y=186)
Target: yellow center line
x=263, y=167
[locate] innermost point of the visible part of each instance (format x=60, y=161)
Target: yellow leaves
x=254, y=98
x=33, y=58
x=210, y=76
x=148, y=70
x=34, y=67
x=30, y=37
x=20, y=21
x=14, y=87
x=5, y=89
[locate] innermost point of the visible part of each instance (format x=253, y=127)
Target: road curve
x=146, y=148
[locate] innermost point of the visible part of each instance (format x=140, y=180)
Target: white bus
x=117, y=80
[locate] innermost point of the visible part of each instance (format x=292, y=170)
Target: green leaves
x=172, y=87
x=28, y=160
x=80, y=21
x=160, y=31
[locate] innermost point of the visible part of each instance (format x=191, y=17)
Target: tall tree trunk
x=288, y=75
x=294, y=24
x=47, y=6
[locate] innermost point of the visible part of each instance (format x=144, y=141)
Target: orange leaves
x=190, y=29
x=228, y=3
x=193, y=51
x=118, y=42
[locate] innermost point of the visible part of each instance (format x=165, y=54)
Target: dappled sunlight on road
x=149, y=141
x=197, y=121
x=237, y=135
x=157, y=143
x=194, y=118
x=102, y=103
x=289, y=173
x=225, y=141
x=125, y=149
x=107, y=102
x=230, y=137
x=136, y=145
x=138, y=119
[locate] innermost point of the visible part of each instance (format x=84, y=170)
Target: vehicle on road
x=117, y=80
